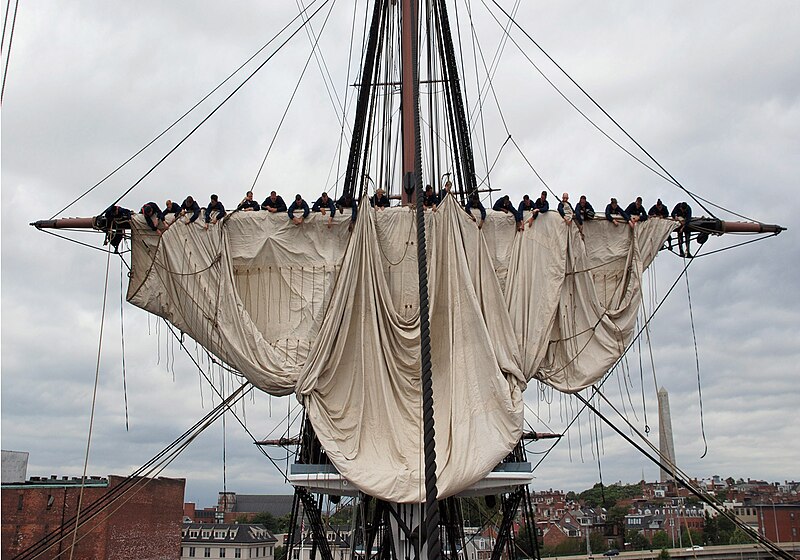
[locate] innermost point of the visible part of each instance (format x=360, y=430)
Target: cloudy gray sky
x=711, y=89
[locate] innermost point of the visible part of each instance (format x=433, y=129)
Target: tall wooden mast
x=409, y=16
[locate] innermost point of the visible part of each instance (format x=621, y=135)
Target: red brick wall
x=146, y=526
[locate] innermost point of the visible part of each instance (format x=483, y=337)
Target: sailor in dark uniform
x=248, y=204
x=683, y=212
x=503, y=204
x=380, y=200
x=475, y=202
x=613, y=209
x=298, y=204
x=274, y=203
x=214, y=206
x=540, y=206
x=117, y=219
x=347, y=201
x=658, y=210
x=324, y=204
x=190, y=206
x=154, y=217
x=636, y=211
x=430, y=199
x=584, y=210
x=172, y=208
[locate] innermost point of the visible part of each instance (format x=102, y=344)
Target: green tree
x=638, y=540
x=710, y=529
x=616, y=518
x=661, y=540
x=596, y=542
x=607, y=496
x=280, y=552
x=691, y=537
x=664, y=555
x=740, y=537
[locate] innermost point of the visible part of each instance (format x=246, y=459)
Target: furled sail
x=333, y=316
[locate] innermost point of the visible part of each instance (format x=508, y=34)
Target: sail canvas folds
x=333, y=316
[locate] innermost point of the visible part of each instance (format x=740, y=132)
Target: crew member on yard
x=683, y=213
x=379, y=200
x=274, y=203
x=215, y=207
x=347, y=201
x=248, y=204
x=636, y=211
x=503, y=204
x=298, y=204
x=584, y=211
x=475, y=202
x=430, y=199
x=172, y=208
x=190, y=205
x=325, y=204
x=658, y=210
x=154, y=217
x=615, y=213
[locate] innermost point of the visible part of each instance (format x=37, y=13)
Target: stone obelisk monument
x=665, y=445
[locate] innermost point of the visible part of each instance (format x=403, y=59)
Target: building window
x=222, y=553
x=191, y=552
x=237, y=553
x=207, y=552
x=19, y=501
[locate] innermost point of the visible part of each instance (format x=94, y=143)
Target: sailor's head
x=526, y=198
x=298, y=198
x=147, y=210
x=168, y=203
x=249, y=195
x=638, y=201
x=613, y=202
x=582, y=199
x=189, y=201
x=273, y=196
x=324, y=197
x=214, y=199
x=564, y=197
x=379, y=192
x=544, y=195
x=505, y=199
x=659, y=204
x=428, y=189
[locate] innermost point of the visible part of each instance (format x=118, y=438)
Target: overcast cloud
x=711, y=89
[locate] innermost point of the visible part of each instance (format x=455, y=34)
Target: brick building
x=778, y=522
x=144, y=523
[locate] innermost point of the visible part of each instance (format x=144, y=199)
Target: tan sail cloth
x=334, y=317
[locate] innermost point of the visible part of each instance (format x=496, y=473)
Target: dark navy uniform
x=347, y=201
x=278, y=204
x=683, y=210
x=633, y=210
x=190, y=206
x=149, y=210
x=329, y=205
x=297, y=205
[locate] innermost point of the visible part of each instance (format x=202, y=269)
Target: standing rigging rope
x=94, y=403
x=8, y=49
x=697, y=365
x=673, y=180
x=184, y=115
